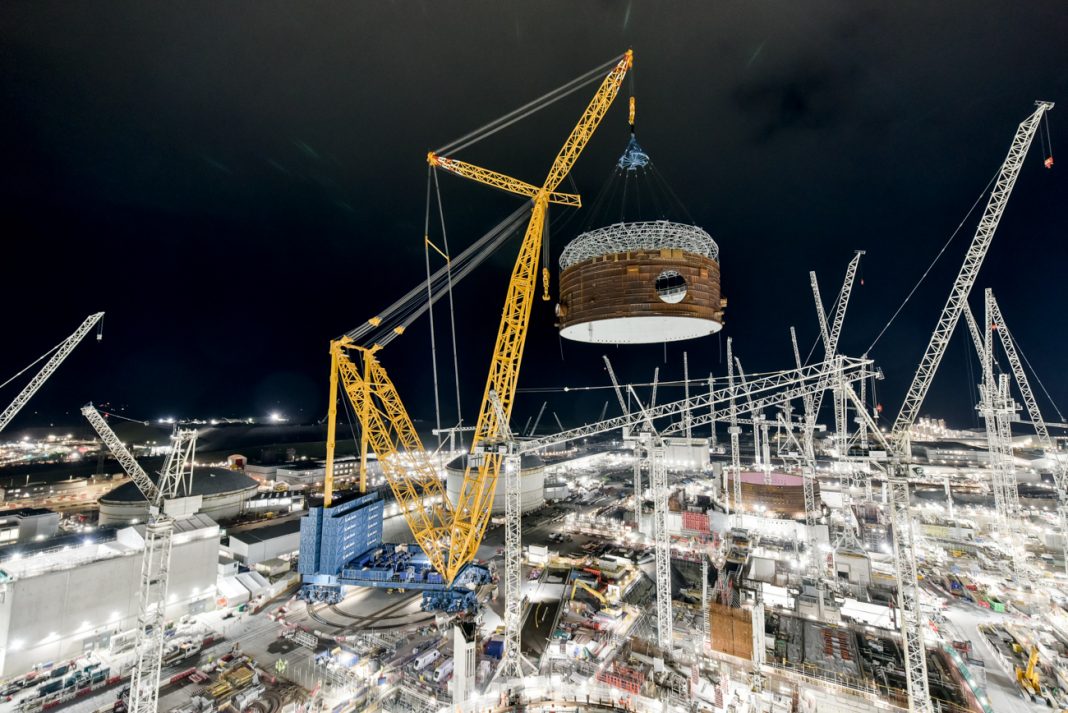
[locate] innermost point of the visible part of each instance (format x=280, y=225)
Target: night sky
x=236, y=183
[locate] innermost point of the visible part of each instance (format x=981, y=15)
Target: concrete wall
x=62, y=612
x=218, y=507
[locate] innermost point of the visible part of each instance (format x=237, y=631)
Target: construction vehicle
x=450, y=533
x=1028, y=677
x=155, y=567
x=592, y=590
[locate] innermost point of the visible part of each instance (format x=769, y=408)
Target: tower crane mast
x=908, y=588
x=62, y=352
x=155, y=565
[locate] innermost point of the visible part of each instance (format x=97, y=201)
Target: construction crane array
x=155, y=565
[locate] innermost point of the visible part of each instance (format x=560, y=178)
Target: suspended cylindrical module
x=640, y=283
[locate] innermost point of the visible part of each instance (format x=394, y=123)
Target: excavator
x=1028, y=677
x=592, y=590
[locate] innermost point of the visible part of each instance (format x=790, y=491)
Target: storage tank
x=531, y=481
x=640, y=283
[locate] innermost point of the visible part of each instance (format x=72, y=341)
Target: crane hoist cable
x=452, y=308
x=543, y=102
x=392, y=321
x=935, y=260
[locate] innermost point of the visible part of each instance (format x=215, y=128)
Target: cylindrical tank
x=640, y=283
x=531, y=481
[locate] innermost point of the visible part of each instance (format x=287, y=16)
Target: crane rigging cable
x=34, y=363
x=935, y=260
x=392, y=321
x=1033, y=372
x=50, y=352
x=452, y=309
x=544, y=101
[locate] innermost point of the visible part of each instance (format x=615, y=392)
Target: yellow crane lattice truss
x=450, y=533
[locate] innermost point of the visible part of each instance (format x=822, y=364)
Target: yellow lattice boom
x=450, y=533
x=472, y=508
x=499, y=180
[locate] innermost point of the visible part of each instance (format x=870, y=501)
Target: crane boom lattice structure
x=62, y=352
x=1060, y=467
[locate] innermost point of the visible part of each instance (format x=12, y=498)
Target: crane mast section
x=843, y=299
x=473, y=506
x=962, y=286
x=47, y=370
x=1060, y=472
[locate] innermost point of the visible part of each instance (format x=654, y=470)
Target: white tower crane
x=998, y=411
x=908, y=588
x=830, y=335
x=513, y=663
x=734, y=430
x=653, y=444
x=155, y=567
x=1060, y=468
x=61, y=352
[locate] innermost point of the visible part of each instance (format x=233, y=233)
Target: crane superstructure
x=999, y=409
x=62, y=351
x=450, y=533
x=899, y=439
x=155, y=565
x=1060, y=467
x=830, y=334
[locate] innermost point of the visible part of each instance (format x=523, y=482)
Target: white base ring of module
x=640, y=330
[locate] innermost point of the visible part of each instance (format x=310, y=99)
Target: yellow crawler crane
x=450, y=533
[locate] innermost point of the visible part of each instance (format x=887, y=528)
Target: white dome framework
x=622, y=238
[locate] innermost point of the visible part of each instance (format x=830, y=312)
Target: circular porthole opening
x=670, y=287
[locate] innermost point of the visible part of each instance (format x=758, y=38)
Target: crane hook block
x=1048, y=163
x=545, y=284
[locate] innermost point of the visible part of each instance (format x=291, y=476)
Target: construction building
x=251, y=546
x=64, y=596
x=27, y=525
x=223, y=494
